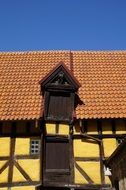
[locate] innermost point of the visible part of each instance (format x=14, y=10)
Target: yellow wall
x=50, y=128
x=85, y=148
x=31, y=166
x=107, y=180
x=4, y=176
x=5, y=146
x=109, y=146
x=22, y=146
x=63, y=129
x=17, y=176
x=90, y=168
x=23, y=188
x=20, y=188
x=82, y=148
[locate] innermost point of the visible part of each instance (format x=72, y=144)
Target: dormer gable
x=59, y=88
x=60, y=77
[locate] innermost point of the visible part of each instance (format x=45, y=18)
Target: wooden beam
x=84, y=126
x=101, y=154
x=4, y=166
x=84, y=174
x=57, y=128
x=1, y=128
x=12, y=150
x=22, y=135
x=90, y=137
x=113, y=126
x=28, y=127
x=99, y=127
x=41, y=156
x=19, y=184
x=93, y=159
x=25, y=175
x=37, y=156
x=4, y=158
x=31, y=156
x=79, y=136
x=59, y=186
x=71, y=156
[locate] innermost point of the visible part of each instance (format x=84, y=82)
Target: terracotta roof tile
x=102, y=75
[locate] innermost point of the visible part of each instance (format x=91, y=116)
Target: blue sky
x=62, y=25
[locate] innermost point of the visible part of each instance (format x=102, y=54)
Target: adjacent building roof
x=102, y=75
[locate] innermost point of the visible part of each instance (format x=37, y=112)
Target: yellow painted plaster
x=106, y=127
x=120, y=127
x=4, y=176
x=78, y=178
x=92, y=169
x=109, y=146
x=2, y=163
x=17, y=176
x=23, y=188
x=107, y=180
x=3, y=188
x=31, y=167
x=51, y=128
x=4, y=146
x=85, y=148
x=63, y=129
x=22, y=146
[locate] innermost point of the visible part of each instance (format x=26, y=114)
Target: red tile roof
x=102, y=75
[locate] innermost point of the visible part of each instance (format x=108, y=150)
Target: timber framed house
x=62, y=114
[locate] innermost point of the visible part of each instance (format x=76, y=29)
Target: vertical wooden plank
x=113, y=126
x=57, y=128
x=46, y=103
x=71, y=154
x=28, y=127
x=99, y=127
x=41, y=157
x=13, y=129
x=101, y=151
x=1, y=128
x=12, y=151
x=84, y=126
x=71, y=109
x=124, y=123
x=42, y=130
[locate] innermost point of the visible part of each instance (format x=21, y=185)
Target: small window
x=119, y=141
x=35, y=146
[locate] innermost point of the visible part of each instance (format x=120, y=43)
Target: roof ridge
x=98, y=51
x=29, y=52
x=62, y=51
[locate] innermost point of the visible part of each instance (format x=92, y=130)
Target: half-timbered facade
x=62, y=114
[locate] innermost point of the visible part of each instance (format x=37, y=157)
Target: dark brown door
x=57, y=165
